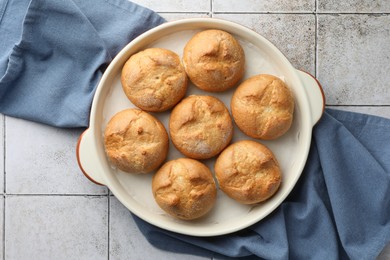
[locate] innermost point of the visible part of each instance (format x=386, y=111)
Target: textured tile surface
x=294, y=35
x=376, y=111
x=385, y=254
x=42, y=160
x=356, y=6
x=175, y=6
x=56, y=227
x=178, y=16
x=127, y=241
x=354, y=59
x=263, y=6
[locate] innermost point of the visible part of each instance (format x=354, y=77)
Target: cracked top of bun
x=135, y=141
x=214, y=60
x=154, y=79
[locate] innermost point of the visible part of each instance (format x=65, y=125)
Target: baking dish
x=134, y=191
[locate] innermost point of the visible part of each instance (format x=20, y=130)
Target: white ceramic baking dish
x=134, y=191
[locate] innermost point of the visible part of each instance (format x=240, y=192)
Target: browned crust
x=135, y=141
x=248, y=172
x=214, y=60
x=200, y=126
x=263, y=107
x=184, y=188
x=154, y=79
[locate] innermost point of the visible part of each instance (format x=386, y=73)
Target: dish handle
x=315, y=93
x=86, y=156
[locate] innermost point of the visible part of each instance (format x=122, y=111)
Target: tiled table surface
x=51, y=211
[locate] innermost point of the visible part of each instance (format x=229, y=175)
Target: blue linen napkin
x=339, y=209
x=53, y=53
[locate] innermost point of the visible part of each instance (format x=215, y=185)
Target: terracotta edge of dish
x=79, y=161
x=322, y=94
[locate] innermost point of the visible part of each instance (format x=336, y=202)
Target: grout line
x=304, y=12
x=4, y=152
x=315, y=39
x=108, y=226
x=226, y=12
x=3, y=227
x=360, y=105
x=212, y=13
x=273, y=12
x=4, y=184
x=263, y=12
x=182, y=12
x=355, y=13
x=55, y=195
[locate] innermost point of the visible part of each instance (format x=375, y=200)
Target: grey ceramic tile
x=176, y=6
x=127, y=241
x=376, y=111
x=353, y=59
x=385, y=254
x=56, y=227
x=263, y=6
x=293, y=34
x=2, y=153
x=178, y=16
x=42, y=160
x=356, y=6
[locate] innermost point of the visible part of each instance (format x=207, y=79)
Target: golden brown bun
x=263, y=106
x=135, y=141
x=184, y=188
x=200, y=126
x=214, y=60
x=248, y=172
x=154, y=79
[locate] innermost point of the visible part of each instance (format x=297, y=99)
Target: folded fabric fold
x=52, y=56
x=339, y=209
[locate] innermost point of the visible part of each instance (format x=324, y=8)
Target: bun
x=154, y=79
x=248, y=172
x=184, y=188
x=200, y=126
x=214, y=60
x=263, y=106
x=135, y=141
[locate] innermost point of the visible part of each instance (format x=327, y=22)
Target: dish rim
x=137, y=42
